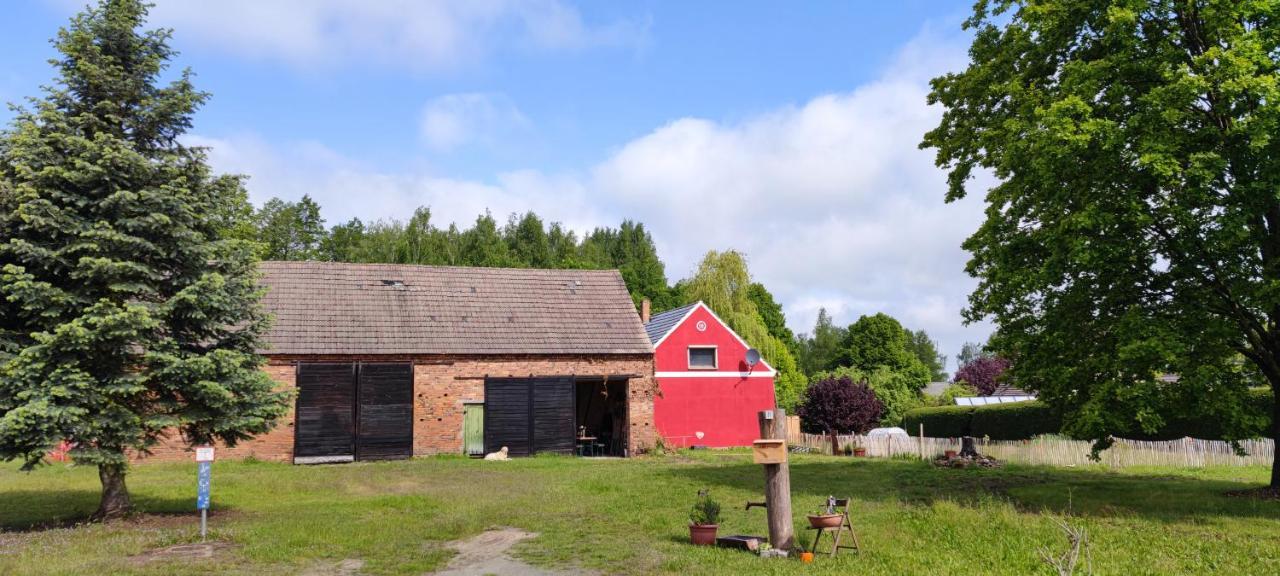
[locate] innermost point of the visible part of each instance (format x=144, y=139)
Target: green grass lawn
x=629, y=516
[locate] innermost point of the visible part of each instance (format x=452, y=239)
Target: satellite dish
x=753, y=357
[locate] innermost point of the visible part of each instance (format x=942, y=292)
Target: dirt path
x=487, y=553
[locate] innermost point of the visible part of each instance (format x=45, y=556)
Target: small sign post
x=204, y=460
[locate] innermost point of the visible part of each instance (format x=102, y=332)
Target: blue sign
x=202, y=484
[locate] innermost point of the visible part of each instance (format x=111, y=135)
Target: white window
x=702, y=358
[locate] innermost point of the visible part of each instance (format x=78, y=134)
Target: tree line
x=288, y=230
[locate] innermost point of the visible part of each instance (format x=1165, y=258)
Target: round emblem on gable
x=702, y=326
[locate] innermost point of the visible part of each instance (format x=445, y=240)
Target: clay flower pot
x=703, y=534
x=825, y=520
x=950, y=454
x=806, y=557
x=859, y=451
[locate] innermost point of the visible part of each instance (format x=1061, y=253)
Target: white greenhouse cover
x=888, y=432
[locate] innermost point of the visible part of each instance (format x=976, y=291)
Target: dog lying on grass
x=499, y=455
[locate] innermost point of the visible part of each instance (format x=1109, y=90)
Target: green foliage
x=130, y=306
x=290, y=230
x=818, y=351
x=1134, y=227
x=969, y=352
x=1255, y=419
x=705, y=511
x=926, y=350
x=949, y=395
x=880, y=341
x=771, y=313
x=895, y=390
x=939, y=421
x=1023, y=420
x=723, y=283
x=1014, y=421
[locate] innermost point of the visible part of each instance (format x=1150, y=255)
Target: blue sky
x=787, y=131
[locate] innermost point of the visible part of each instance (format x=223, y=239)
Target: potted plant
x=859, y=451
x=825, y=517
x=704, y=519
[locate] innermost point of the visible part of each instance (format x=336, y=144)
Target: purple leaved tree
x=835, y=405
x=983, y=373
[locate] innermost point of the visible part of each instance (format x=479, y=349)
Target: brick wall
x=442, y=385
x=274, y=445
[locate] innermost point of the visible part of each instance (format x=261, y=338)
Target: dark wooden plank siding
x=553, y=414
x=325, y=410
x=385, y=412
x=506, y=415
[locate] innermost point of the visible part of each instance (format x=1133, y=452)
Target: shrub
x=939, y=421
x=706, y=511
x=839, y=405
x=896, y=391
x=1014, y=421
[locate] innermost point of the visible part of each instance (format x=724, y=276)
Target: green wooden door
x=473, y=429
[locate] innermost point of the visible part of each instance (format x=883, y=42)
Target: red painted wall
x=722, y=407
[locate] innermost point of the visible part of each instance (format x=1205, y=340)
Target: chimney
x=644, y=311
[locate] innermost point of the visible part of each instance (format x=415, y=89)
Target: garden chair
x=837, y=506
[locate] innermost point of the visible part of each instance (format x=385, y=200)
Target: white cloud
x=831, y=200
x=455, y=120
x=421, y=34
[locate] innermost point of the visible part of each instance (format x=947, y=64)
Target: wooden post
x=777, y=483
x=922, y=442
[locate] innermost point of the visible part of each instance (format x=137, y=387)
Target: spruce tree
x=129, y=312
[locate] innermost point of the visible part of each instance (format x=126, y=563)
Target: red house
x=709, y=396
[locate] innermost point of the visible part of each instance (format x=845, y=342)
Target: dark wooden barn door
x=506, y=415
x=325, y=429
x=529, y=415
x=349, y=411
x=384, y=417
x=553, y=414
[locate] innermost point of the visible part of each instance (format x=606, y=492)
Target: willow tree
x=128, y=311
x=1134, y=226
x=723, y=283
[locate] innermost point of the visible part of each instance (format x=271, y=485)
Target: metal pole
x=204, y=521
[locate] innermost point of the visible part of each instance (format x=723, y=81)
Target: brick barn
x=709, y=396
x=392, y=361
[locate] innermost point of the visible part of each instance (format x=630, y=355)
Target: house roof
x=662, y=323
x=338, y=308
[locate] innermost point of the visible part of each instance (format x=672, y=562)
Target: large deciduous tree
x=880, y=341
x=1134, y=227
x=290, y=230
x=129, y=309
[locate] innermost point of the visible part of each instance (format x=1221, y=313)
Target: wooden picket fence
x=1057, y=451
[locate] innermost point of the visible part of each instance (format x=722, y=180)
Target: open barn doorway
x=601, y=420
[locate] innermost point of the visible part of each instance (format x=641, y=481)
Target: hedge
x=939, y=421
x=1013, y=421
x=1022, y=420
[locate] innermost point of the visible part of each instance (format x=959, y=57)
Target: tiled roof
x=1007, y=390
x=337, y=308
x=660, y=324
